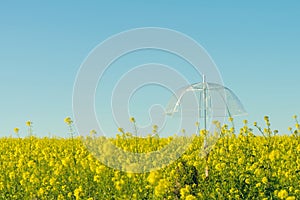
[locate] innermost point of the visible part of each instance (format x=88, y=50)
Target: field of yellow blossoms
x=241, y=165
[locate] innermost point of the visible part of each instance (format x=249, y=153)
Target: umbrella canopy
x=209, y=100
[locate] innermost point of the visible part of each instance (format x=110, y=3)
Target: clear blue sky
x=255, y=45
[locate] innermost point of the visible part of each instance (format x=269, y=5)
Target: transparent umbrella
x=209, y=100
x=205, y=102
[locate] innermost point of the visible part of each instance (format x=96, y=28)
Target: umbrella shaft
x=204, y=101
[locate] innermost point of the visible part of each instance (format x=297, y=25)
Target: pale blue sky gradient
x=255, y=45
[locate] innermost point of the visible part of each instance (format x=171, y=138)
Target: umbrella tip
x=203, y=78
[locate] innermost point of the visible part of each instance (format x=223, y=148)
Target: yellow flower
x=68, y=120
x=16, y=130
x=161, y=188
x=153, y=177
x=78, y=192
x=203, y=132
x=264, y=180
x=247, y=181
x=119, y=184
x=93, y=132
x=132, y=119
x=121, y=130
x=52, y=181
x=282, y=194
x=273, y=155
x=97, y=178
x=41, y=192
x=12, y=175
x=231, y=147
x=100, y=169
x=2, y=185
x=28, y=123
x=184, y=192
x=230, y=119
x=70, y=194
x=190, y=197
x=233, y=190
x=291, y=198
x=31, y=163
x=255, y=123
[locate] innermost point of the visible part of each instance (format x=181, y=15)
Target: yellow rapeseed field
x=241, y=165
